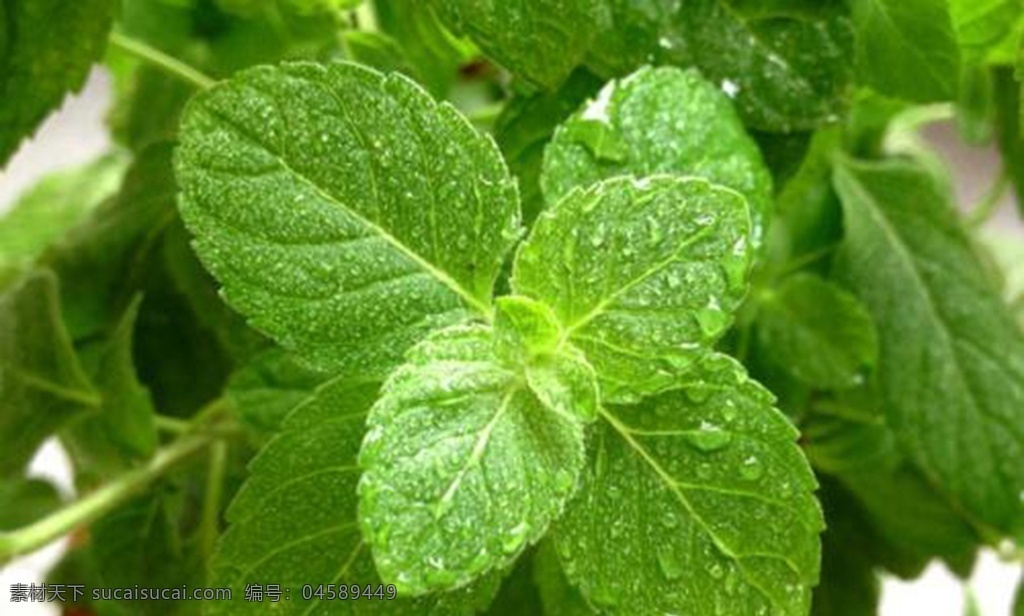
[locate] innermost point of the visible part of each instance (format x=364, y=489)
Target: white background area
x=77, y=134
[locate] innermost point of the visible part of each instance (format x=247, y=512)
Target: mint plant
x=568, y=308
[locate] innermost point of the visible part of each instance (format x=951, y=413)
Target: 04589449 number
x=348, y=592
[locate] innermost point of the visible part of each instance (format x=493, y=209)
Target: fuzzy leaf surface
x=294, y=520
x=818, y=331
x=787, y=66
x=658, y=120
x=694, y=501
x=951, y=364
x=539, y=40
x=643, y=275
x=344, y=211
x=464, y=465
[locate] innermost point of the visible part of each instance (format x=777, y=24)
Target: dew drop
x=752, y=469
x=709, y=438
x=669, y=562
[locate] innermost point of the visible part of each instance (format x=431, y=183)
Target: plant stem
x=159, y=59
x=172, y=424
x=98, y=503
x=990, y=203
x=210, y=525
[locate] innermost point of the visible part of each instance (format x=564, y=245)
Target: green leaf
x=48, y=47
x=849, y=585
x=433, y=53
x=464, y=466
x=345, y=212
x=140, y=545
x=559, y=597
x=294, y=521
x=860, y=450
x=695, y=501
x=817, y=331
x=643, y=275
x=101, y=262
x=661, y=120
x=25, y=500
x=951, y=366
x=42, y=385
x=57, y=203
x=124, y=430
x=270, y=386
x=907, y=48
x=538, y=40
x=524, y=329
x=525, y=127
x=788, y=68
x=981, y=24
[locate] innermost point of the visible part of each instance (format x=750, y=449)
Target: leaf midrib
x=671, y=484
x=482, y=307
x=938, y=321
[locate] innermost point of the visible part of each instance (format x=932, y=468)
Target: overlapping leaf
x=951, y=366
x=344, y=211
x=661, y=120
x=818, y=332
x=907, y=48
x=42, y=385
x=47, y=48
x=696, y=501
x=465, y=465
x=643, y=275
x=294, y=521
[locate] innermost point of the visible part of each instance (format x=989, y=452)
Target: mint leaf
x=860, y=450
x=433, y=53
x=951, y=366
x=124, y=430
x=661, y=120
x=788, y=67
x=817, y=331
x=695, y=499
x=558, y=596
x=48, y=48
x=345, y=212
x=102, y=261
x=54, y=205
x=527, y=123
x=981, y=24
x=849, y=585
x=140, y=545
x=25, y=500
x=524, y=329
x=540, y=40
x=643, y=275
x=463, y=464
x=294, y=520
x=42, y=385
x=269, y=387
x=907, y=49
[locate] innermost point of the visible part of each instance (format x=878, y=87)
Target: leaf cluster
x=535, y=307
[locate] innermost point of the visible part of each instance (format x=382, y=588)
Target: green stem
x=98, y=503
x=210, y=525
x=159, y=59
x=990, y=203
x=172, y=424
